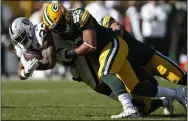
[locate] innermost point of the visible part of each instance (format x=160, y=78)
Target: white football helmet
x=21, y=32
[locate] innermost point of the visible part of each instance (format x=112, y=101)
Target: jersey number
x=76, y=16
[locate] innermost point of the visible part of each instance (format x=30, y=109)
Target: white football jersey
x=86, y=69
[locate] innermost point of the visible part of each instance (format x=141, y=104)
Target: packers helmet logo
x=55, y=8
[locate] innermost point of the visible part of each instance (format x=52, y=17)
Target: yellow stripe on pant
x=159, y=65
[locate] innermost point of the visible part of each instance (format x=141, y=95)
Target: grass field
x=64, y=100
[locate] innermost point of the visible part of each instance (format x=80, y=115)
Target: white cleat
x=181, y=96
x=130, y=112
x=168, y=109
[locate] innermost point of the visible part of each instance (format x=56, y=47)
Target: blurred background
x=161, y=24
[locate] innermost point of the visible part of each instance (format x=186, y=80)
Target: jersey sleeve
x=81, y=17
x=40, y=33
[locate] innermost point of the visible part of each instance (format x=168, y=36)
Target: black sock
x=145, y=89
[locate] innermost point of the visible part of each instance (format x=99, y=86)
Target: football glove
x=31, y=65
x=62, y=55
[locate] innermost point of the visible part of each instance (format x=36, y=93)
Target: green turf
x=64, y=100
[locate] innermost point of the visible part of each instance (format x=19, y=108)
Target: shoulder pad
x=80, y=16
x=40, y=33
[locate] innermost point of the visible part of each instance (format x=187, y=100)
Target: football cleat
x=130, y=112
x=168, y=109
x=181, y=96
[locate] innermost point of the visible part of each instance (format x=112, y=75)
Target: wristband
x=25, y=75
x=89, y=45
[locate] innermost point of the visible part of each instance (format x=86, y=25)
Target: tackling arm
x=89, y=38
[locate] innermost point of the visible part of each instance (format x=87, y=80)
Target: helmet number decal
x=55, y=8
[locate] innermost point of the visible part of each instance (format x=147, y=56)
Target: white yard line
x=39, y=91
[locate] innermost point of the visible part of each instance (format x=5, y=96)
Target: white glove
x=61, y=55
x=29, y=67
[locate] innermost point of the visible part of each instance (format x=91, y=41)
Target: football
x=32, y=54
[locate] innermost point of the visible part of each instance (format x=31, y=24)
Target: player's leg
x=164, y=102
x=111, y=60
x=129, y=78
x=151, y=104
x=162, y=66
x=88, y=75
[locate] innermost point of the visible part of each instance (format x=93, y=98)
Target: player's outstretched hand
x=31, y=65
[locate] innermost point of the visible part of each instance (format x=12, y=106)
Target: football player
x=89, y=38
x=26, y=37
x=155, y=63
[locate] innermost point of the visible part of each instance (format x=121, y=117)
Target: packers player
x=150, y=59
x=78, y=27
x=155, y=63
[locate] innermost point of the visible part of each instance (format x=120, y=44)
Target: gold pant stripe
x=164, y=67
x=171, y=62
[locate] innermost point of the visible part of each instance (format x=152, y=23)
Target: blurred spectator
x=97, y=9
x=5, y=40
x=36, y=17
x=169, y=40
x=113, y=12
x=181, y=46
x=154, y=25
x=67, y=4
x=132, y=21
x=78, y=4
x=112, y=4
